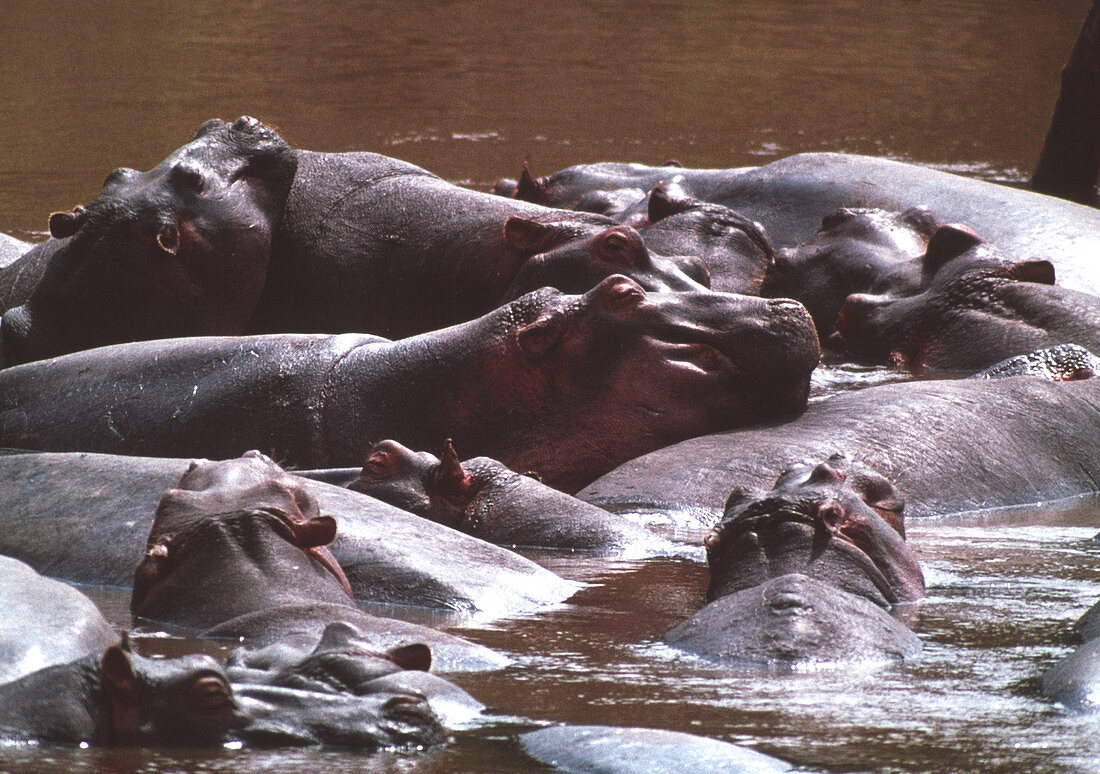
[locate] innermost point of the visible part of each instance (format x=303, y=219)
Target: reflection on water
x=469, y=90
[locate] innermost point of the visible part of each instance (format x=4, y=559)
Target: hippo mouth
x=772, y=517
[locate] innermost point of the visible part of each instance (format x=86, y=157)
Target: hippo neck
x=793, y=549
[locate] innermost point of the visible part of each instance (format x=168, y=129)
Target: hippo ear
x=949, y=241
x=417, y=656
x=381, y=463
x=527, y=188
x=663, y=203
x=316, y=532
x=122, y=693
x=541, y=337
x=65, y=224
x=168, y=238
x=531, y=236
x=451, y=480
x=1038, y=271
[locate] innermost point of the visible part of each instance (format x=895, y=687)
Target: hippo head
x=181, y=701
x=574, y=256
x=978, y=307
x=735, y=251
x=343, y=691
x=854, y=251
x=218, y=502
x=591, y=381
x=434, y=488
x=179, y=250
x=838, y=521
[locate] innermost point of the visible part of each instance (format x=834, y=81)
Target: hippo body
x=584, y=382
x=44, y=622
x=948, y=446
x=122, y=698
x=790, y=196
x=372, y=244
x=616, y=750
x=11, y=250
x=106, y=502
x=807, y=572
x=484, y=498
x=180, y=250
x=237, y=551
x=1075, y=680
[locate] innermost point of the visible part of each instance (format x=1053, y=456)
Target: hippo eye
x=834, y=219
x=617, y=247
x=187, y=177
x=209, y=694
x=118, y=176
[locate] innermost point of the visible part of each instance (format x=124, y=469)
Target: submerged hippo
x=232, y=555
x=790, y=196
x=948, y=446
x=106, y=503
x=120, y=698
x=972, y=315
x=855, y=251
x=807, y=572
x=488, y=500
x=180, y=250
x=566, y=386
x=1075, y=680
x=44, y=622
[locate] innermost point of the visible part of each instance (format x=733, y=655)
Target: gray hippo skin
x=106, y=503
x=615, y=750
x=44, y=622
x=372, y=244
x=790, y=196
x=565, y=386
x=977, y=309
x=486, y=499
x=948, y=446
x=12, y=249
x=1075, y=680
x=235, y=553
x=180, y=250
x=121, y=698
x=854, y=251
x=807, y=572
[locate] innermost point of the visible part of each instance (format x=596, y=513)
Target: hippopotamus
x=617, y=750
x=44, y=622
x=1075, y=680
x=1060, y=363
x=566, y=386
x=12, y=249
x=971, y=316
x=106, y=503
x=372, y=244
x=948, y=446
x=180, y=250
x=484, y=498
x=120, y=698
x=344, y=691
x=233, y=554
x=807, y=572
x=856, y=250
x=791, y=195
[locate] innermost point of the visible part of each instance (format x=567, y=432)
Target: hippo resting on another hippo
x=488, y=500
x=791, y=195
x=565, y=386
x=948, y=446
x=105, y=503
x=232, y=554
x=236, y=233
x=180, y=250
x=807, y=573
x=978, y=309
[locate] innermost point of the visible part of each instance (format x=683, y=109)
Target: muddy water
x=469, y=90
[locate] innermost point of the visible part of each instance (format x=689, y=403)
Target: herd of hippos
x=616, y=348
